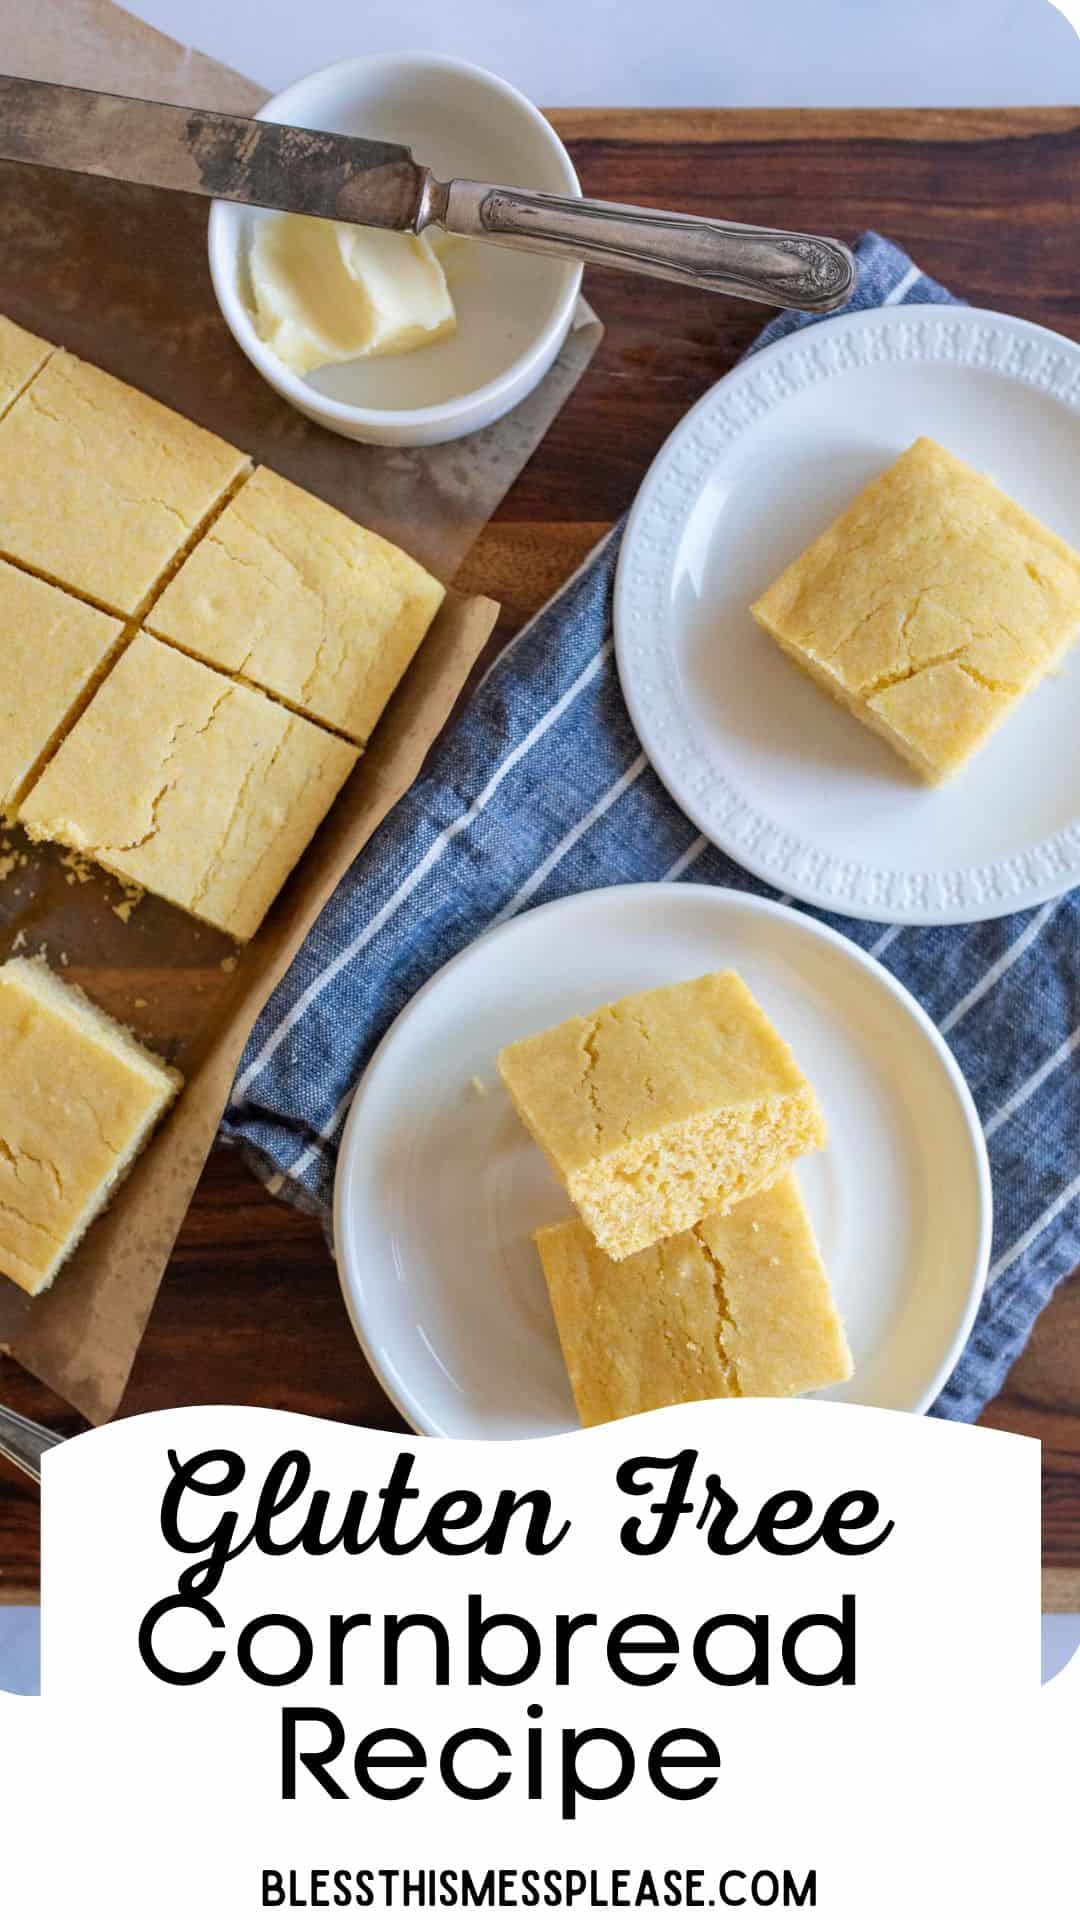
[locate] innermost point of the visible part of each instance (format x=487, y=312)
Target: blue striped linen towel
x=540, y=790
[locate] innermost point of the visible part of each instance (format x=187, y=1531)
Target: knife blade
x=375, y=183
x=222, y=155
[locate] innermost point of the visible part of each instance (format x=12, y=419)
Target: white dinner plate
x=759, y=757
x=439, y=1187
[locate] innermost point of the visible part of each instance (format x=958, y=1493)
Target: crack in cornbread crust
x=219, y=793
x=928, y=608
x=200, y=532
x=100, y=486
x=638, y=1334
x=663, y=1106
x=728, y=1309
x=290, y=595
x=63, y=1152
x=22, y=356
x=785, y=1335
x=724, y=1317
x=57, y=650
x=969, y=710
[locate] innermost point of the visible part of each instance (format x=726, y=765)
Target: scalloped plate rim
x=962, y=895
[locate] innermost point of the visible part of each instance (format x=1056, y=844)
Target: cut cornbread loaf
x=929, y=608
x=101, y=488
x=738, y=1305
x=79, y=1097
x=54, y=649
x=182, y=781
x=22, y=355
x=663, y=1107
x=291, y=595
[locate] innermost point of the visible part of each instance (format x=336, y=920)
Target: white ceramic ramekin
x=514, y=309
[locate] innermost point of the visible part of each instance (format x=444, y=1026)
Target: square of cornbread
x=929, y=608
x=179, y=780
x=22, y=355
x=101, y=487
x=663, y=1107
x=738, y=1305
x=293, y=596
x=54, y=648
x=79, y=1098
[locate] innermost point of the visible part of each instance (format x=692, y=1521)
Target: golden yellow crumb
x=79, y=869
x=663, y=1107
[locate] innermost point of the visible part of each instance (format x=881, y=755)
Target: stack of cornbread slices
x=192, y=656
x=672, y=1118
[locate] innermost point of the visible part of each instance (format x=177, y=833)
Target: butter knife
x=24, y=1443
x=374, y=183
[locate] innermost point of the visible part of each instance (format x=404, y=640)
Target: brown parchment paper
x=119, y=274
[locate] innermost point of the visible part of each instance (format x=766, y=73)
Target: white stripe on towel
x=524, y=893
x=686, y=859
x=536, y=880
x=1001, y=965
x=315, y=1147
x=1016, y=1100
x=563, y=587
x=412, y=880
x=1028, y=1239
x=884, y=942
x=903, y=287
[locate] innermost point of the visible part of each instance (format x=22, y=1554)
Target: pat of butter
x=326, y=292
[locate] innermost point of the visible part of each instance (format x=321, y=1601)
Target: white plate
x=439, y=1187
x=765, y=763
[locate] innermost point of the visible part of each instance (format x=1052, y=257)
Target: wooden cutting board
x=986, y=201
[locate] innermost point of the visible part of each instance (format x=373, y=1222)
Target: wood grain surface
x=989, y=202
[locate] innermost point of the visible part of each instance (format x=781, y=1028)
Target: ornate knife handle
x=757, y=263
x=24, y=1443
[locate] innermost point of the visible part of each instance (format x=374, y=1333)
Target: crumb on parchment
x=12, y=858
x=79, y=868
x=133, y=897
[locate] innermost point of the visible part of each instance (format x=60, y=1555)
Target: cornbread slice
x=739, y=1305
x=663, y=1107
x=179, y=780
x=929, y=608
x=22, y=355
x=79, y=1098
x=289, y=593
x=54, y=648
x=100, y=486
